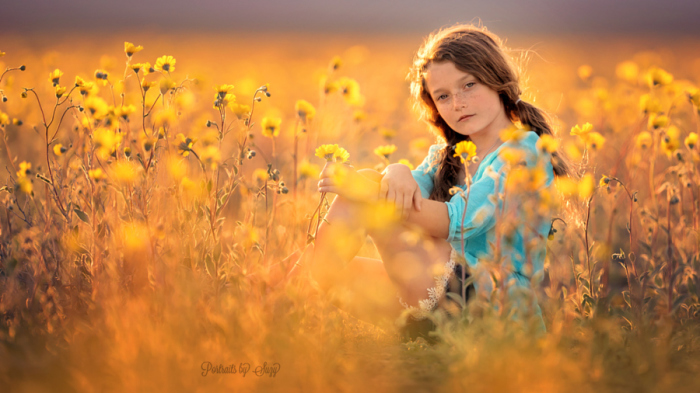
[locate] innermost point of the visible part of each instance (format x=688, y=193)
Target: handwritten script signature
x=243, y=369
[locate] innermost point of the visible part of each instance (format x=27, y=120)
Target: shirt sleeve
x=477, y=214
x=425, y=172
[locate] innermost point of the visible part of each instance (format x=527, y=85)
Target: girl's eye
x=443, y=96
x=470, y=84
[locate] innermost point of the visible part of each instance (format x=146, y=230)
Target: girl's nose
x=459, y=101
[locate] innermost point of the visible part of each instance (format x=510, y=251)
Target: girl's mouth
x=465, y=117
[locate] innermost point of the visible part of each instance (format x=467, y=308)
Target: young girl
x=466, y=88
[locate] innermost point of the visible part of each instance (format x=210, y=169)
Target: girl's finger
x=391, y=196
x=417, y=198
x=326, y=182
x=383, y=190
x=407, y=202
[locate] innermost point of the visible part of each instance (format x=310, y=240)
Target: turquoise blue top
x=480, y=217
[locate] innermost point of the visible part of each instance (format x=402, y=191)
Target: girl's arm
x=433, y=217
x=364, y=185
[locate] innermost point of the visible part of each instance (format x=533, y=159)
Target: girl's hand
x=399, y=186
x=343, y=179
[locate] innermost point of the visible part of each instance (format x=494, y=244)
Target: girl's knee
x=371, y=174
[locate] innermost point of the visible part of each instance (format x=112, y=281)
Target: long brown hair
x=482, y=54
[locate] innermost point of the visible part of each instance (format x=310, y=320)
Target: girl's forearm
x=433, y=218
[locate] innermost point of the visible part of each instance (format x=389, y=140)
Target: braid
x=533, y=117
x=449, y=167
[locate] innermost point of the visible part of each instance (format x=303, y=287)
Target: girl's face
x=467, y=106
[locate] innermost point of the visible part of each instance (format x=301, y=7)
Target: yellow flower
x=359, y=115
x=586, y=187
x=584, y=72
x=305, y=110
x=145, y=85
x=184, y=144
x=649, y=104
x=4, y=119
x=326, y=152
x=385, y=151
x=166, y=117
x=240, y=110
x=547, y=143
x=644, y=140
x=691, y=140
x=465, y=150
x=341, y=155
x=2, y=53
x=24, y=169
x=419, y=144
x=330, y=87
x=87, y=88
x=512, y=156
x=387, y=133
x=166, y=84
x=165, y=63
x=593, y=140
x=79, y=82
x=97, y=107
x=336, y=62
x=211, y=156
x=124, y=111
x=106, y=142
x=512, y=133
x=130, y=48
x=657, y=76
x=54, y=76
x=58, y=149
x=308, y=170
x=351, y=92
x=407, y=163
x=222, y=101
x=136, y=67
x=604, y=180
x=147, y=68
x=96, y=174
x=24, y=184
x=517, y=179
x=671, y=141
x=102, y=75
x=566, y=185
x=223, y=90
x=125, y=172
x=581, y=130
x=60, y=91
x=695, y=98
x=271, y=126
x=260, y=175
x=627, y=71
x=657, y=121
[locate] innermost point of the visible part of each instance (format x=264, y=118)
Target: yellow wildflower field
x=157, y=190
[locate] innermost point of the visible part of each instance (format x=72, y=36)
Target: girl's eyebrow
x=459, y=81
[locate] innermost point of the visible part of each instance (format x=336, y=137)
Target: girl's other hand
x=399, y=186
